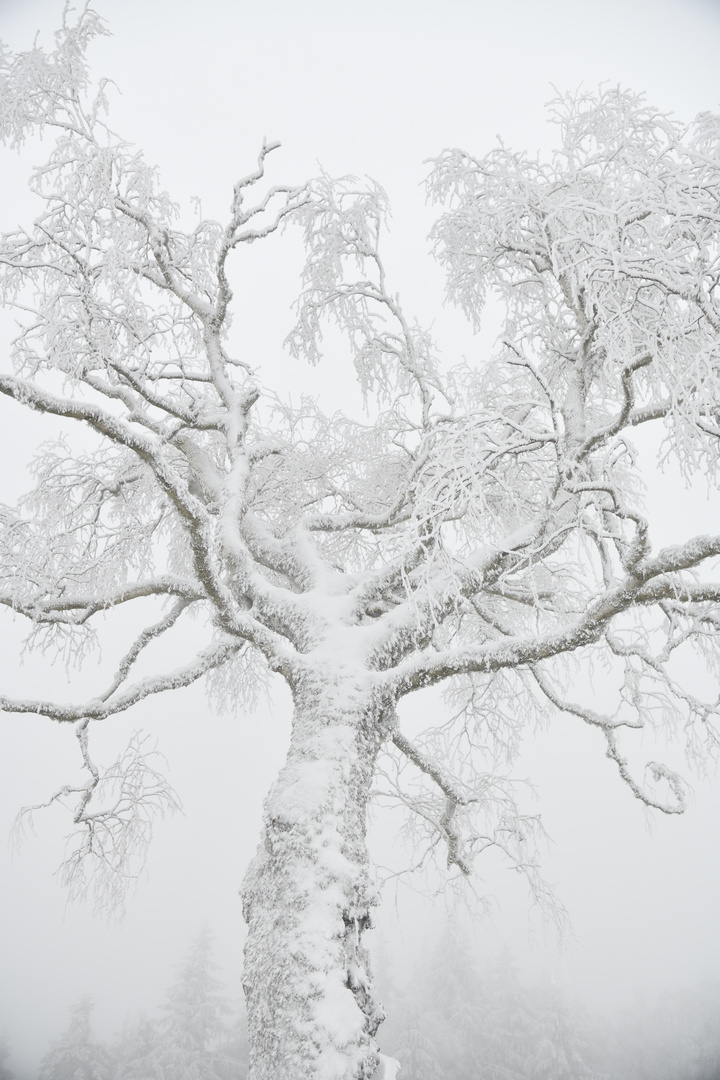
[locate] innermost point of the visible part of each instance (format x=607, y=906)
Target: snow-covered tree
x=558, y=1053
x=481, y=524
x=191, y=1040
x=442, y=1011
x=77, y=1055
x=137, y=1051
x=461, y=1017
x=417, y=1052
x=194, y=1021
x=510, y=1022
x=232, y=1055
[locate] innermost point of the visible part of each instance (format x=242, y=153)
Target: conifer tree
x=137, y=1051
x=234, y=1051
x=510, y=1022
x=194, y=1020
x=416, y=1051
x=441, y=1036
x=558, y=1054
x=77, y=1055
x=459, y=991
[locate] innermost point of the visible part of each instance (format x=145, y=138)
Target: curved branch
x=621, y=419
x=99, y=708
x=454, y=797
x=589, y=716
x=148, y=635
x=659, y=772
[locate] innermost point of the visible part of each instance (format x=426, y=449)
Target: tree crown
x=484, y=522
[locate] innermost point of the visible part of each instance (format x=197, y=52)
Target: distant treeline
x=460, y=1017
x=194, y=1036
x=457, y=1017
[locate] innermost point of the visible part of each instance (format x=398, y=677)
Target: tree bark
x=307, y=896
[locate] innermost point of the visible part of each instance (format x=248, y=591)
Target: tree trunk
x=307, y=896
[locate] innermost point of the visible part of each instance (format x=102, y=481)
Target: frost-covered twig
x=114, y=815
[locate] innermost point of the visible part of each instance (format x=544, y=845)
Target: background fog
x=369, y=88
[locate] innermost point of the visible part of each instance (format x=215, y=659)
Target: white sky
x=368, y=88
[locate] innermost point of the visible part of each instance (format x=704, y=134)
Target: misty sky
x=366, y=88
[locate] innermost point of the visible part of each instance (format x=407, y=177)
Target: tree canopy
x=480, y=525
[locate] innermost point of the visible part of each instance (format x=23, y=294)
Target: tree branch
x=105, y=705
x=454, y=797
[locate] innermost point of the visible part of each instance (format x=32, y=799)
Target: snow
x=388, y=1068
x=305, y=786
x=337, y=1011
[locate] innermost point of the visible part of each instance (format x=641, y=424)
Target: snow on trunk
x=307, y=896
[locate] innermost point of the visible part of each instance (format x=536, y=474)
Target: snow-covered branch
x=453, y=794
x=78, y=609
x=110, y=702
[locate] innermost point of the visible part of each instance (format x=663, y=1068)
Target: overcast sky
x=369, y=88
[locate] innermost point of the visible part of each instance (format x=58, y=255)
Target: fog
x=369, y=88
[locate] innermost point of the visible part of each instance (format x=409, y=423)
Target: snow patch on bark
x=388, y=1068
x=305, y=785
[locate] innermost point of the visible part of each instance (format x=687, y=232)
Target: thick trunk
x=308, y=897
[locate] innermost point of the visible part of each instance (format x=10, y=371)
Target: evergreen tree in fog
x=510, y=1023
x=194, y=1024
x=137, y=1051
x=191, y=1040
x=558, y=1054
x=233, y=1059
x=467, y=1020
x=77, y=1055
